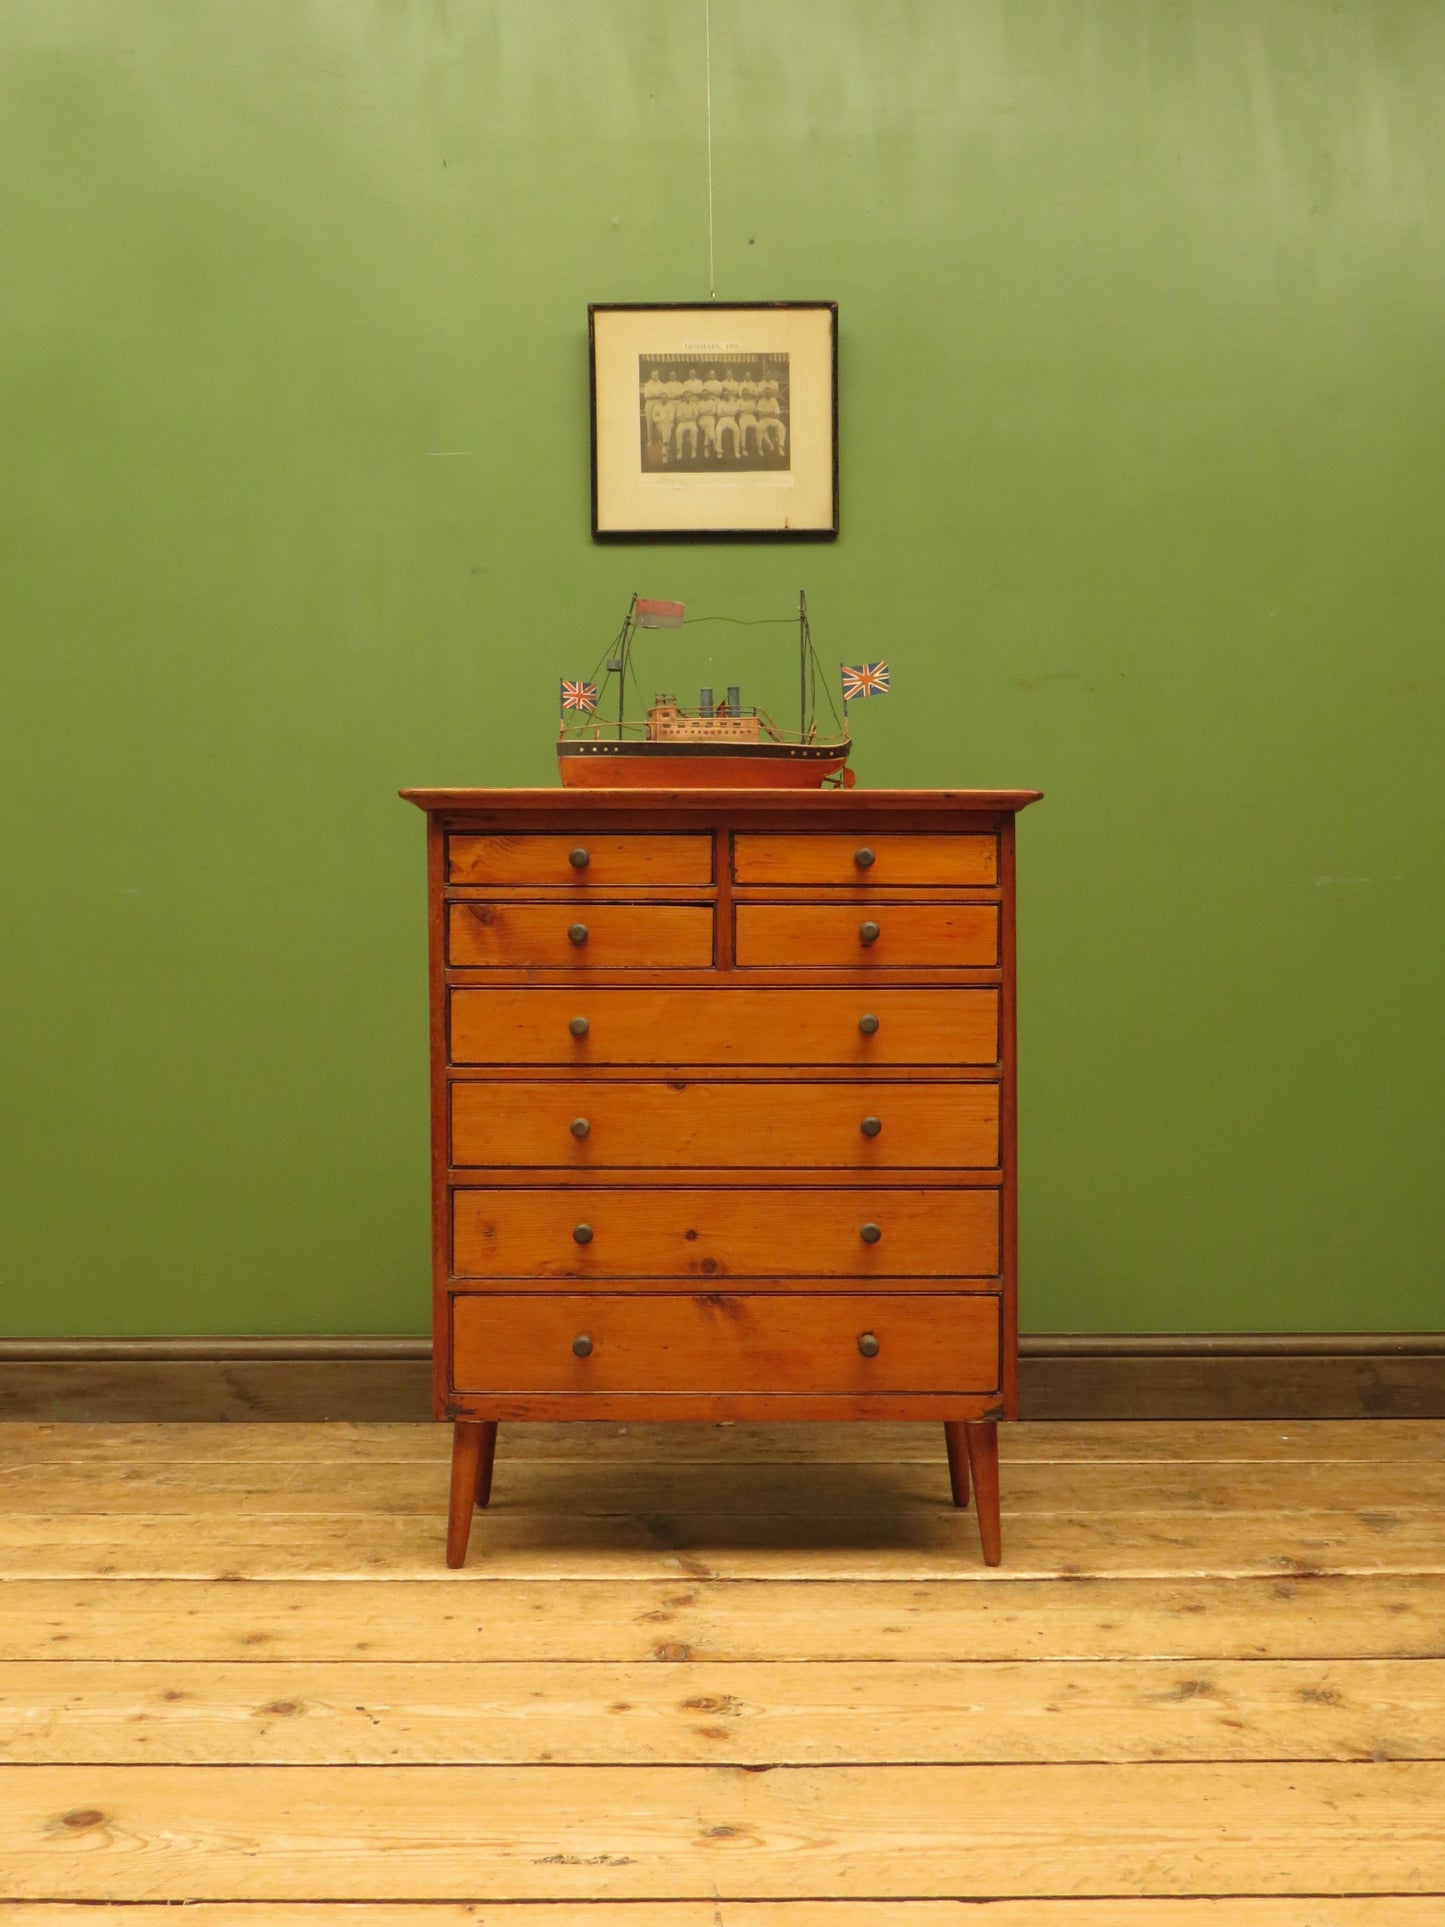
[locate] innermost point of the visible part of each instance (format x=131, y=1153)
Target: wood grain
x=826, y=936
x=1385, y=1443
x=764, y=1127
x=788, y=1484
x=723, y=1342
x=375, y=1727
x=737, y=1026
x=683, y=1621
x=1376, y=1910
x=553, y=1832
x=781, y=857
x=613, y=860
x=776, y=1713
x=890, y=1540
x=512, y=809
x=620, y=936
x=710, y=1236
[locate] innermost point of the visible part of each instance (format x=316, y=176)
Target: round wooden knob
x=578, y=1026
x=870, y=1234
x=870, y=1127
x=869, y=932
x=582, y=1345
x=868, y=1344
x=579, y=859
x=582, y=1234
x=577, y=933
x=864, y=858
x=580, y=1127
x=867, y=1023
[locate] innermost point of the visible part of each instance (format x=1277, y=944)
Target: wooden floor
x=723, y=1676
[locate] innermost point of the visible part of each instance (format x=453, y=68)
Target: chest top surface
x=812, y=807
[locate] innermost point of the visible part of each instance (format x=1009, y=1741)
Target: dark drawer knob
x=579, y=1026
x=869, y=932
x=867, y=1344
x=580, y=1127
x=870, y=1234
x=577, y=933
x=864, y=858
x=582, y=1345
x=868, y=1024
x=579, y=859
x=582, y=1234
x=870, y=1126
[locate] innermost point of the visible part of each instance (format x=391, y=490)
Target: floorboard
x=723, y=1676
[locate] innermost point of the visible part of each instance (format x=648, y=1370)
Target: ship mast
x=617, y=665
x=805, y=650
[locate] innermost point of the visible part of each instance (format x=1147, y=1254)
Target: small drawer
x=593, y=1232
x=714, y=1126
x=579, y=937
x=583, y=860
x=765, y=1027
x=724, y=1342
x=866, y=936
x=955, y=861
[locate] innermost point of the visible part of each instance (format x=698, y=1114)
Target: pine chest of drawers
x=723, y=1113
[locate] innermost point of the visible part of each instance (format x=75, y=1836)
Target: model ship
x=713, y=744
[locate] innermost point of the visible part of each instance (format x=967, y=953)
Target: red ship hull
x=599, y=764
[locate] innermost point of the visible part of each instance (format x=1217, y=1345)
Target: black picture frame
x=665, y=467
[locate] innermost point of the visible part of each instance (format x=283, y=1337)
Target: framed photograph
x=714, y=421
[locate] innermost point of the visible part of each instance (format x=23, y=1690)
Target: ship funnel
x=704, y=701
x=735, y=700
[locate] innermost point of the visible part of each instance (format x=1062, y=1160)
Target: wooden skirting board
x=1308, y=1375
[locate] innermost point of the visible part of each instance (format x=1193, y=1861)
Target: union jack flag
x=864, y=679
x=579, y=695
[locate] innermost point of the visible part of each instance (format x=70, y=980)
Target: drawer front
x=596, y=1125
x=724, y=1342
x=585, y=860
x=589, y=1232
x=580, y=937
x=879, y=861
x=834, y=936
x=802, y=1027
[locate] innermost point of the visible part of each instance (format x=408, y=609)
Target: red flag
x=658, y=615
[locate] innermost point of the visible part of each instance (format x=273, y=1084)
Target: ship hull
x=598, y=764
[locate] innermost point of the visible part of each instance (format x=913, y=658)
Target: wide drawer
x=581, y=1231
x=865, y=936
x=596, y=1125
x=724, y=1342
x=826, y=857
x=581, y=859
x=733, y=1026
x=573, y=937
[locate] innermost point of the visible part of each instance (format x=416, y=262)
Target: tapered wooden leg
x=466, y=1459
x=485, y=1461
x=957, y=1445
x=983, y=1457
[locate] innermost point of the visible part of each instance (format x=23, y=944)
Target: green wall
x=1142, y=493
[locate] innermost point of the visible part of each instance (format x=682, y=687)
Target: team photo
x=698, y=415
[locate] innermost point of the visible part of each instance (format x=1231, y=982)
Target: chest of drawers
x=723, y=1113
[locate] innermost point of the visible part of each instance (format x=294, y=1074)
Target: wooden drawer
x=779, y=1232
x=879, y=861
x=832, y=936
x=597, y=1125
x=723, y=1342
x=616, y=936
x=606, y=861
x=802, y=1027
